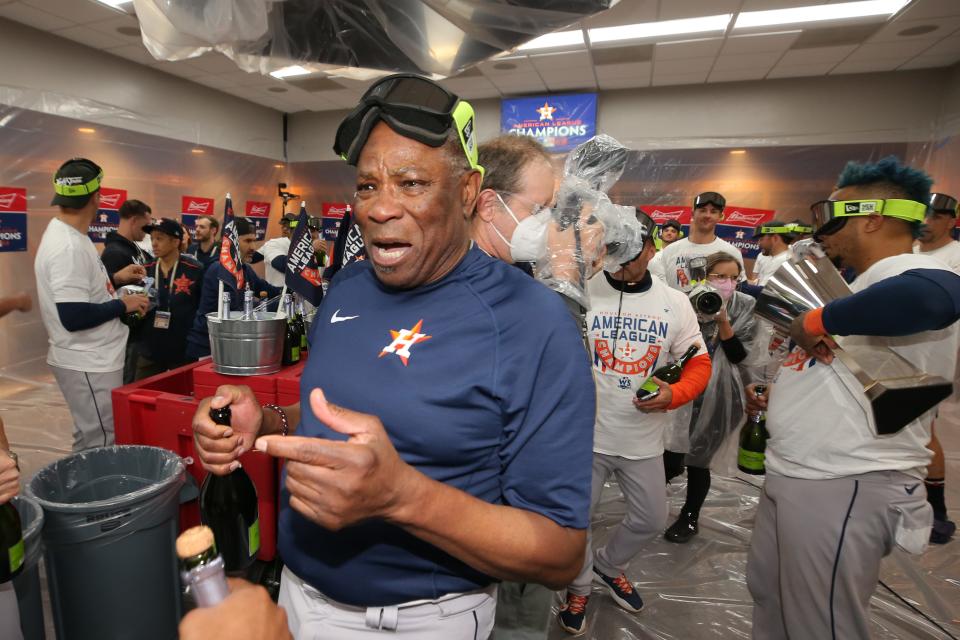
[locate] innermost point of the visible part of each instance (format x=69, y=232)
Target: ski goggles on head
x=942, y=203
x=414, y=107
x=829, y=216
x=710, y=197
x=776, y=229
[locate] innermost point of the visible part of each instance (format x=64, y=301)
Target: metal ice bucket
x=249, y=347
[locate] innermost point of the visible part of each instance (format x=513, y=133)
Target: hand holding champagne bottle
x=11, y=534
x=219, y=448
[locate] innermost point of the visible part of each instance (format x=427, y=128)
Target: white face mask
x=527, y=240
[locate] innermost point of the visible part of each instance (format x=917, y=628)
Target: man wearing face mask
x=702, y=241
x=635, y=323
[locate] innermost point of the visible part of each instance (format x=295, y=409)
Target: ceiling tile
x=33, y=17
x=902, y=51
x=624, y=83
x=943, y=27
x=800, y=70
x=480, y=92
x=626, y=12
x=928, y=62
x=835, y=36
x=689, y=49
x=554, y=61
x=944, y=47
x=637, y=70
x=619, y=55
x=817, y=54
x=507, y=67
x=465, y=85
x=89, y=37
x=747, y=61
x=582, y=76
x=214, y=62
x=134, y=52
x=692, y=65
x=865, y=66
x=736, y=75
x=932, y=9
x=760, y=43
x=763, y=5
x=180, y=68
x=518, y=82
x=675, y=9
x=110, y=27
x=76, y=11
x=559, y=84
x=665, y=79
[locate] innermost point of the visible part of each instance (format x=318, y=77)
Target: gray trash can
x=110, y=528
x=27, y=584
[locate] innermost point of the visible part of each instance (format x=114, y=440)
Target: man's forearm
x=501, y=541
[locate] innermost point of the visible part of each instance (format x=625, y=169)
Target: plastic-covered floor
x=690, y=591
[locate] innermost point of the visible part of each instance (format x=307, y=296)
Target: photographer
x=700, y=428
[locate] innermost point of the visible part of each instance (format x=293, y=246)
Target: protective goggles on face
x=647, y=228
x=709, y=197
x=415, y=108
x=942, y=203
x=829, y=216
x=72, y=187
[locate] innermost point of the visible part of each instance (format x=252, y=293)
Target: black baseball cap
x=244, y=226
x=289, y=219
x=710, y=197
x=942, y=203
x=167, y=226
x=672, y=224
x=75, y=182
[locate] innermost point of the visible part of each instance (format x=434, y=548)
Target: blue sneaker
x=573, y=614
x=621, y=591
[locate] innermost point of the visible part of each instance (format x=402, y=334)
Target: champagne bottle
x=248, y=303
x=291, y=339
x=302, y=328
x=201, y=567
x=11, y=542
x=753, y=441
x=668, y=373
x=228, y=505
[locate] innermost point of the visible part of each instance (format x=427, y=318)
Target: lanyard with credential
x=173, y=275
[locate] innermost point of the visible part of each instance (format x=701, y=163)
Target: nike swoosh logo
x=338, y=318
x=910, y=490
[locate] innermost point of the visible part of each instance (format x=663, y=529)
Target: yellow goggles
x=827, y=211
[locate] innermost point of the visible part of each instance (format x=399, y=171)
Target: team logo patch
x=403, y=341
x=182, y=285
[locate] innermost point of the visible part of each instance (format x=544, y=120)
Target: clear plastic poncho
x=699, y=428
x=586, y=232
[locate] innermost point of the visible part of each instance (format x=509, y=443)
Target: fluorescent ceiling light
x=290, y=72
x=819, y=13
x=556, y=39
x=115, y=4
x=660, y=29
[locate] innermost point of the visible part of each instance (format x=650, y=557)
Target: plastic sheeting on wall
x=338, y=36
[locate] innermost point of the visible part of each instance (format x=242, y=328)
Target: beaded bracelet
x=284, y=425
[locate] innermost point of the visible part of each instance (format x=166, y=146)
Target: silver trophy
x=897, y=391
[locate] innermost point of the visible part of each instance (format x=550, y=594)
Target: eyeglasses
x=535, y=207
x=722, y=277
x=414, y=107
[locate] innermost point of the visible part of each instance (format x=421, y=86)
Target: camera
x=705, y=298
x=706, y=301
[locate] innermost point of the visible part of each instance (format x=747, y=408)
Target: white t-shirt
x=949, y=254
x=68, y=269
x=656, y=326
x=655, y=266
x=270, y=250
x=819, y=419
x=675, y=257
x=769, y=266
x=758, y=263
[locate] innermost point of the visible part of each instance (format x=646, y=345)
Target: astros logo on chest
x=403, y=341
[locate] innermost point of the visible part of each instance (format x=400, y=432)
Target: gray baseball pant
x=645, y=494
x=815, y=554
x=91, y=405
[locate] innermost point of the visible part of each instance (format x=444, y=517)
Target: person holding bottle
x=700, y=428
x=634, y=324
x=422, y=481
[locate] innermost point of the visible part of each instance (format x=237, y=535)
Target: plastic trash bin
x=110, y=527
x=27, y=584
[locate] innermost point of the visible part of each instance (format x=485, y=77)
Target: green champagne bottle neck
x=685, y=358
x=206, y=556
